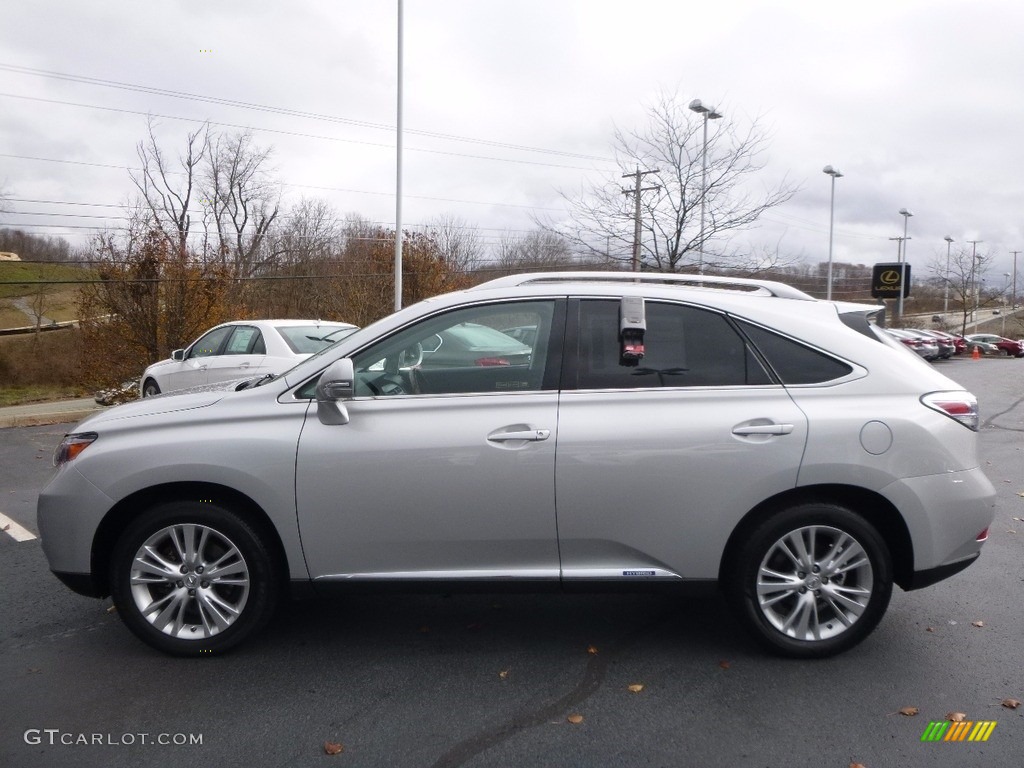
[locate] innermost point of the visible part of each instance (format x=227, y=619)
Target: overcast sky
x=920, y=104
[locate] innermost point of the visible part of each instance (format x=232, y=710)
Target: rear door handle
x=763, y=429
x=535, y=435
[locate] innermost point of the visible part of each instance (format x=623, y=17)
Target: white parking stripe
x=15, y=531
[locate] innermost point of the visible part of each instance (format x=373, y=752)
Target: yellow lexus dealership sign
x=887, y=280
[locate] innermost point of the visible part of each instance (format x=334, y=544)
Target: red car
x=958, y=341
x=1008, y=347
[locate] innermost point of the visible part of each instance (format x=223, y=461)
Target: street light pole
x=835, y=174
x=1013, y=298
x=974, y=282
x=945, y=293
x=709, y=114
x=903, y=272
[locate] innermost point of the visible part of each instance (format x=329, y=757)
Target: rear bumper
x=921, y=579
x=82, y=583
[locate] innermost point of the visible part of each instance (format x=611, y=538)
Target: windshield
x=310, y=339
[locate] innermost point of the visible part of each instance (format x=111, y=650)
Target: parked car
x=473, y=344
x=240, y=349
x=666, y=431
x=1003, y=346
x=946, y=347
x=927, y=348
x=959, y=342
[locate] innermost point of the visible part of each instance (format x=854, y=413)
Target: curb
x=41, y=414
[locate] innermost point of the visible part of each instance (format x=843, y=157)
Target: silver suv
x=656, y=431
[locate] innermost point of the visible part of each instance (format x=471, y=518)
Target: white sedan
x=240, y=349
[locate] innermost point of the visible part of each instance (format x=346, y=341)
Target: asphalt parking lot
x=492, y=680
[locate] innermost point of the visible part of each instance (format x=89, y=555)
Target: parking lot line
x=14, y=530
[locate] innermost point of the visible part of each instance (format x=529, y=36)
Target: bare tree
x=963, y=279
x=169, y=199
x=457, y=241
x=245, y=200
x=539, y=250
x=672, y=144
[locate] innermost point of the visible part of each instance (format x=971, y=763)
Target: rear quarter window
x=793, y=362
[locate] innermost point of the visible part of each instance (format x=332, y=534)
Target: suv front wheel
x=812, y=581
x=192, y=577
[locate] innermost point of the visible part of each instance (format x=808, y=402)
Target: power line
x=281, y=132
x=287, y=184
x=287, y=111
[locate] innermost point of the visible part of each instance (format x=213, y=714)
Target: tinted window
x=683, y=347
x=793, y=362
x=210, y=343
x=460, y=352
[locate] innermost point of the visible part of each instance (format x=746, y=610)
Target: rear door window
x=685, y=346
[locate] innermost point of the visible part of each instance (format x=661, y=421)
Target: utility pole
x=974, y=282
x=1013, y=296
x=637, y=189
x=903, y=274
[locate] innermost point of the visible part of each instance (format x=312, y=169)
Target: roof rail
x=762, y=287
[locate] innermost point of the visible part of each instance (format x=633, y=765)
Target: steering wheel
x=411, y=356
x=386, y=386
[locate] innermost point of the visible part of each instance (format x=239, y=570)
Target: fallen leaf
x=723, y=664
x=857, y=765
x=977, y=623
x=956, y=717
x=575, y=719
x=1018, y=519
x=112, y=609
x=504, y=674
x=1010, y=703
x=333, y=748
x=1010, y=530
x=929, y=629
x=909, y=711
x=424, y=630
x=592, y=650
x=636, y=687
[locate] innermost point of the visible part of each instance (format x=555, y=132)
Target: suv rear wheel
x=192, y=578
x=812, y=581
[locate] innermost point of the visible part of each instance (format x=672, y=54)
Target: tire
x=150, y=388
x=160, y=578
x=811, y=607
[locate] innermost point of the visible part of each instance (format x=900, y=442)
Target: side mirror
x=178, y=355
x=336, y=383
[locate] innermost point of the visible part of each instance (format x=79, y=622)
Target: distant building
x=8, y=256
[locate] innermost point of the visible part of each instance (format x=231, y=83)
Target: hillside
x=20, y=298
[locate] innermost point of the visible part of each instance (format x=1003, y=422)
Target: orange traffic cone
x=976, y=354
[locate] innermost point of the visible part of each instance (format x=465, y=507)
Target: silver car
x=664, y=430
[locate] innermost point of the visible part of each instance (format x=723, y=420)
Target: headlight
x=71, y=446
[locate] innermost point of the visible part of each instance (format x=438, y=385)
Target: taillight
x=492, y=361
x=982, y=536
x=71, y=446
x=961, y=406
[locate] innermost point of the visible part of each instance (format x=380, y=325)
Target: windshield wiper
x=254, y=382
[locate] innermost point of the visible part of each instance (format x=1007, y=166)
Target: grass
x=47, y=367
x=60, y=300
x=38, y=393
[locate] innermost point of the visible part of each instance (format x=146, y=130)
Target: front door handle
x=535, y=435
x=763, y=429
